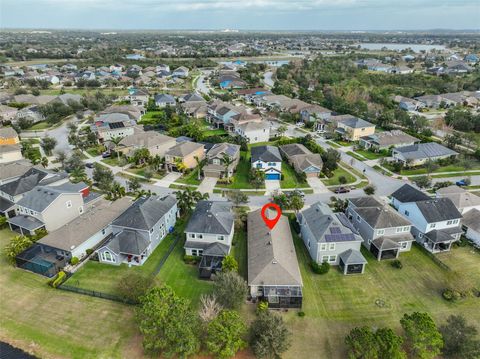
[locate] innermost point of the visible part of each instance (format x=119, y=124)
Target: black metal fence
x=94, y=293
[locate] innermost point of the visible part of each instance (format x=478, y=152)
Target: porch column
x=449, y=245
x=363, y=268
x=398, y=252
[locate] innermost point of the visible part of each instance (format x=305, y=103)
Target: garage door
x=272, y=176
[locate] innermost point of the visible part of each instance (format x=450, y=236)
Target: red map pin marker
x=271, y=222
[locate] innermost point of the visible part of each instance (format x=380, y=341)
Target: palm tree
x=44, y=162
x=187, y=199
x=116, y=141
x=78, y=174
x=156, y=162
x=227, y=161
x=200, y=164
x=181, y=167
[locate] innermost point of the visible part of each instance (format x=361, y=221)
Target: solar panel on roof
x=116, y=125
x=335, y=230
x=339, y=237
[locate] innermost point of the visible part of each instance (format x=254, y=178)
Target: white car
x=300, y=124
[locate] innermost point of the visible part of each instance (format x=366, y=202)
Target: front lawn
x=357, y=157
x=42, y=125
x=111, y=161
x=371, y=155
x=334, y=303
x=141, y=172
x=58, y=324
x=190, y=178
x=290, y=178
x=240, y=178
x=334, y=181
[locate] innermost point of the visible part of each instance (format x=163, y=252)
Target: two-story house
x=464, y=200
x=184, y=153
x=209, y=234
x=113, y=125
x=220, y=113
x=49, y=207
x=353, y=128
x=436, y=222
x=155, y=142
x=216, y=160
x=139, y=230
x=164, y=100
x=138, y=97
x=330, y=237
x=268, y=160
x=316, y=114
x=385, y=233
x=253, y=131
x=181, y=71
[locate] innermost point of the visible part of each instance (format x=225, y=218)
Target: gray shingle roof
x=128, y=242
x=14, y=169
x=355, y=122
x=271, y=253
x=390, y=138
x=377, y=214
x=183, y=148
x=407, y=193
x=33, y=177
x=325, y=225
x=460, y=197
x=213, y=217
x=221, y=148
x=145, y=212
x=41, y=197
x=471, y=219
x=425, y=150
x=165, y=98
x=27, y=222
x=443, y=235
x=439, y=209
x=352, y=256
x=266, y=154
x=77, y=231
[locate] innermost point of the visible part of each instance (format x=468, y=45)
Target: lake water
x=400, y=47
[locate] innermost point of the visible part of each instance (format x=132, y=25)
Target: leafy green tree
x=188, y=198
x=103, y=176
x=423, y=337
x=168, y=324
x=225, y=334
x=134, y=184
x=141, y=156
x=16, y=246
x=269, y=337
x=237, y=197
x=133, y=285
x=362, y=344
x=461, y=339
x=422, y=181
x=296, y=202
x=3, y=222
x=229, y=264
x=369, y=190
x=230, y=289
x=44, y=162
x=48, y=144
x=281, y=130
x=256, y=178
x=330, y=160
x=389, y=344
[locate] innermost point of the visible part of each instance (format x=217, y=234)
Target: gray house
x=420, y=153
x=209, y=234
x=273, y=272
x=163, y=100
x=385, y=233
x=302, y=159
x=216, y=163
x=436, y=221
x=139, y=230
x=330, y=237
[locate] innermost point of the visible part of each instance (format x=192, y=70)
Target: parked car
x=89, y=165
x=106, y=154
x=461, y=183
x=341, y=190
x=300, y=124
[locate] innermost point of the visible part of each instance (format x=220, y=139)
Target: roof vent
x=274, y=261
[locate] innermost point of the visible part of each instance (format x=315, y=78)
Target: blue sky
x=241, y=14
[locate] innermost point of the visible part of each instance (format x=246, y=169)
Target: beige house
x=185, y=152
x=302, y=159
x=216, y=163
x=352, y=128
x=10, y=153
x=156, y=143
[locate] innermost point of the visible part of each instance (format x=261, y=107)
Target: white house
x=254, y=132
x=471, y=226
x=268, y=160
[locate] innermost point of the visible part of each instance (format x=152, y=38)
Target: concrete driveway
x=317, y=185
x=168, y=179
x=271, y=186
x=207, y=185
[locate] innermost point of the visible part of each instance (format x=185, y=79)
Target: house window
x=404, y=245
x=380, y=232
x=455, y=221
x=68, y=204
x=151, y=230
x=200, y=236
x=407, y=213
x=324, y=259
x=449, y=222
x=200, y=252
x=331, y=247
x=420, y=235
x=323, y=247
x=271, y=163
x=191, y=235
x=194, y=252
x=433, y=225
x=358, y=218
x=406, y=229
x=332, y=258
x=107, y=257
x=259, y=165
x=216, y=161
x=220, y=238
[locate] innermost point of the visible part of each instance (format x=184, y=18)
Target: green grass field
x=290, y=178
x=58, y=324
x=190, y=178
x=370, y=155
x=334, y=181
x=240, y=177
x=334, y=303
x=357, y=157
